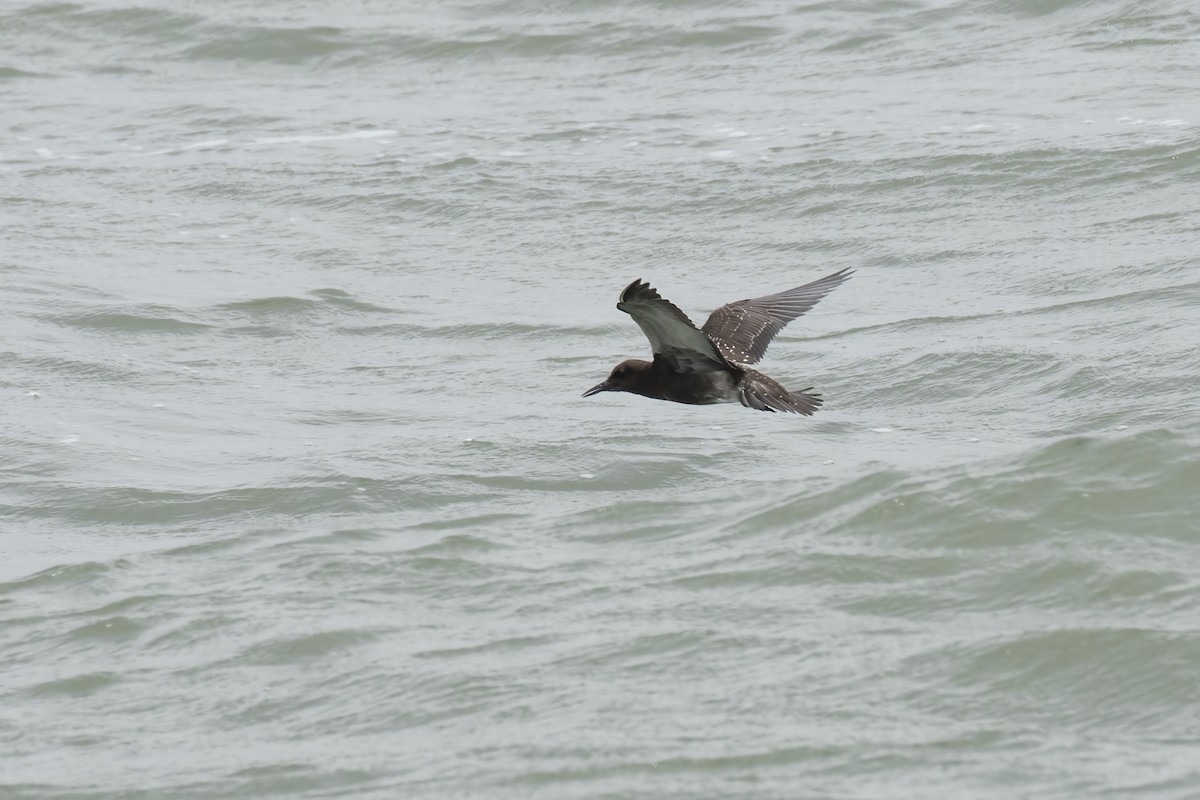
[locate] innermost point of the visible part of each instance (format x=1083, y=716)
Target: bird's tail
x=757, y=391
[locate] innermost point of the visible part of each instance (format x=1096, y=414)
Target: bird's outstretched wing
x=672, y=335
x=742, y=330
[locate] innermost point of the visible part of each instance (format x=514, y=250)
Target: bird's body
x=658, y=380
x=708, y=364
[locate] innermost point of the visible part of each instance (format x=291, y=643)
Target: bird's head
x=628, y=376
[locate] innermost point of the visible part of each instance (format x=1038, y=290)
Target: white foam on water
x=311, y=138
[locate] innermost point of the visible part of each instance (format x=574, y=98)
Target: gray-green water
x=299, y=498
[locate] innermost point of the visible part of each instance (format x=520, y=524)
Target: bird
x=710, y=364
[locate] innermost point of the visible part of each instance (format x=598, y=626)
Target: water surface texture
x=299, y=498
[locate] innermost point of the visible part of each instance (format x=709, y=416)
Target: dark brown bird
x=707, y=365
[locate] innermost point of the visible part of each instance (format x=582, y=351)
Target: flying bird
x=708, y=364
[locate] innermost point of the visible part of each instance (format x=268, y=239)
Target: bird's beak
x=598, y=388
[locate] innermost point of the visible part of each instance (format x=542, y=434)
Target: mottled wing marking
x=742, y=330
x=673, y=336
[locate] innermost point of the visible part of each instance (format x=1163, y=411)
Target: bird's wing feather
x=742, y=330
x=672, y=335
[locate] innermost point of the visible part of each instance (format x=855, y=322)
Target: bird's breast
x=702, y=388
